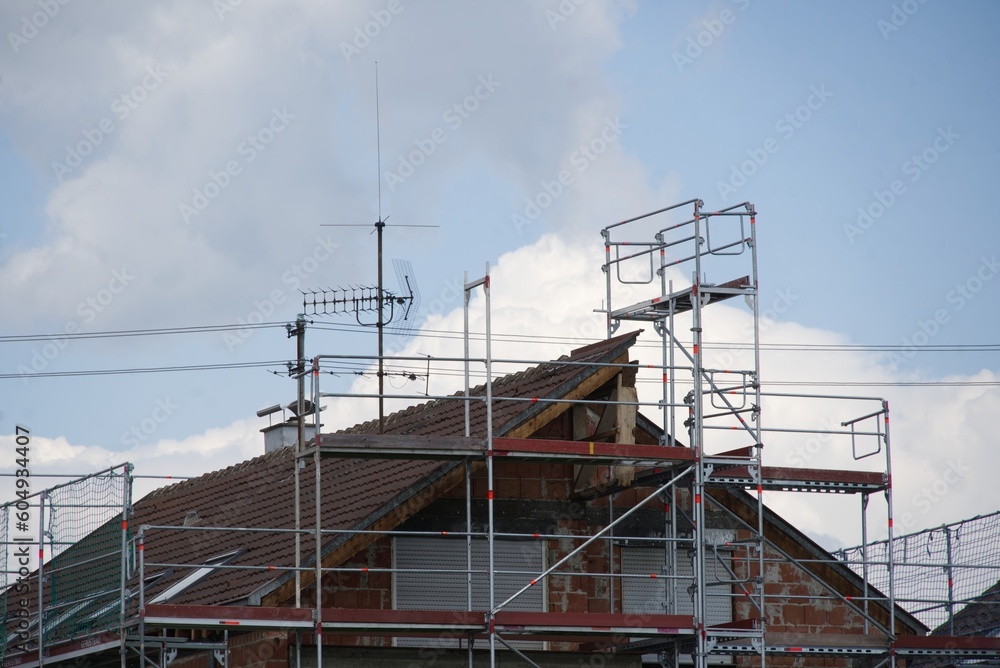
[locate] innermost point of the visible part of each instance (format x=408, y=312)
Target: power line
x=155, y=369
x=194, y=329
x=522, y=338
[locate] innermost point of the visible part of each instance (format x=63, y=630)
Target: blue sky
x=809, y=110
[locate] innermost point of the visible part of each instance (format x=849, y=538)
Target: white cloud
x=214, y=449
x=938, y=438
x=119, y=208
x=119, y=205
x=544, y=290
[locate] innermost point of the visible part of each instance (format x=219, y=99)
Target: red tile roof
x=355, y=492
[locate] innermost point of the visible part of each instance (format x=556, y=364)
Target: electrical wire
x=193, y=329
x=360, y=367
x=519, y=338
x=134, y=370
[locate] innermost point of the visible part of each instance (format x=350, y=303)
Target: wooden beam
x=581, y=391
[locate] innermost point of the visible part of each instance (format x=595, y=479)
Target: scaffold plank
x=409, y=621
x=589, y=452
x=947, y=645
x=395, y=446
x=216, y=616
x=591, y=623
x=66, y=651
x=659, y=307
x=778, y=478
x=392, y=446
x=364, y=619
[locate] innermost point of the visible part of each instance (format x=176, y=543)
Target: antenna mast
x=360, y=300
x=379, y=226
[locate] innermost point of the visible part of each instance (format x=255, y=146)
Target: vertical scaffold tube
x=126, y=504
x=697, y=434
x=142, y=597
x=864, y=555
x=489, y=466
x=889, y=539
x=607, y=277
x=468, y=465
x=41, y=579
x=758, y=444
x=319, y=520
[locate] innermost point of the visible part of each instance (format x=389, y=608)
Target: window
x=651, y=596
x=449, y=591
x=645, y=595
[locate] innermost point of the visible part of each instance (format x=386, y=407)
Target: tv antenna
x=364, y=299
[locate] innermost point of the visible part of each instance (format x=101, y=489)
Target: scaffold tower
x=675, y=247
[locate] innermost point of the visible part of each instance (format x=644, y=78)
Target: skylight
x=197, y=575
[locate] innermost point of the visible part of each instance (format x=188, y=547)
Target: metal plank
x=396, y=446
x=658, y=307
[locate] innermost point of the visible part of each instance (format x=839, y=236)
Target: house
x=402, y=513
x=976, y=626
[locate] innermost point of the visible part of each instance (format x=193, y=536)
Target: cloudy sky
x=174, y=165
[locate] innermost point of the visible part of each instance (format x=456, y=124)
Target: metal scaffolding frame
x=689, y=486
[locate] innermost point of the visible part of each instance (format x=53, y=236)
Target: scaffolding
x=677, y=531
x=940, y=572
x=85, y=557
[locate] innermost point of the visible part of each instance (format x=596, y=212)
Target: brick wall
x=809, y=611
x=799, y=607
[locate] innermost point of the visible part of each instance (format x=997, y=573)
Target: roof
x=356, y=493
x=980, y=618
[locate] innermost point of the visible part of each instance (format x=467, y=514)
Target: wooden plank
x=594, y=622
x=856, y=640
x=948, y=643
x=551, y=411
x=404, y=618
x=233, y=612
x=515, y=448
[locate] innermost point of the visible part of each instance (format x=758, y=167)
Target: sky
x=196, y=165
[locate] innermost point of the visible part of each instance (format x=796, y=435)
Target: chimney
x=286, y=433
